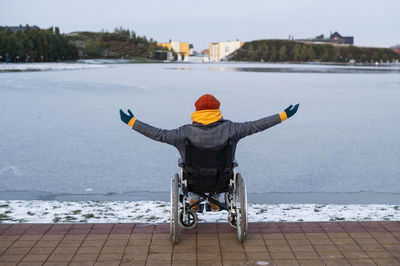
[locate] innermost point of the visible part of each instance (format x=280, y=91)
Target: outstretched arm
x=247, y=128
x=173, y=137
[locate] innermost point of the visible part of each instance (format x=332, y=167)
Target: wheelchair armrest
x=235, y=163
x=180, y=162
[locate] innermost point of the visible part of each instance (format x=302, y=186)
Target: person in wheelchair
x=208, y=130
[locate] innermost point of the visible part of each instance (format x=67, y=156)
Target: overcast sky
x=372, y=23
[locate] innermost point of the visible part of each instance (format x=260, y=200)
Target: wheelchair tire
x=174, y=209
x=191, y=219
x=241, y=202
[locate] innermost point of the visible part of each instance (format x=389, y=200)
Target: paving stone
x=207, y=242
x=47, y=243
x=8, y=237
x=273, y=236
x=11, y=258
x=107, y=263
x=60, y=263
x=52, y=237
x=206, y=256
x=30, y=263
x=311, y=262
x=330, y=254
x=109, y=257
x=70, y=243
x=317, y=235
x=251, y=249
x=386, y=262
x=308, y=248
x=30, y=237
x=88, y=250
x=92, y=243
x=348, y=247
x=24, y=243
x=12, y=251
x=233, y=256
x=380, y=255
x=208, y=263
x=372, y=247
x=39, y=250
x=306, y=255
x=234, y=262
x=133, y=263
x=160, y=248
x=91, y=237
x=276, y=242
x=354, y=254
x=325, y=248
x=184, y=257
x=344, y=241
x=85, y=257
x=116, y=242
x=65, y=250
x=60, y=257
x=135, y=256
x=336, y=262
x=158, y=263
x=256, y=256
x=159, y=257
x=35, y=257
x=285, y=262
x=282, y=255
x=278, y=248
x=113, y=249
x=361, y=262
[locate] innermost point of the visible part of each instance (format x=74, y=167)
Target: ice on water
x=61, y=129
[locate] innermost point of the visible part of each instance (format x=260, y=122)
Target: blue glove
x=291, y=111
x=124, y=117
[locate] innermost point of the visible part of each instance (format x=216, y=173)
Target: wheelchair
x=208, y=172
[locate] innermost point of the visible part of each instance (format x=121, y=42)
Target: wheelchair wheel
x=173, y=222
x=191, y=219
x=241, y=208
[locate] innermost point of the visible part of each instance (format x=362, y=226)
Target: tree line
x=119, y=43
x=292, y=51
x=35, y=45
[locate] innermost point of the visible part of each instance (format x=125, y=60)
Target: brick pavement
x=308, y=243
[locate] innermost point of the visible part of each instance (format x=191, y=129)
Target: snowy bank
x=26, y=67
x=15, y=211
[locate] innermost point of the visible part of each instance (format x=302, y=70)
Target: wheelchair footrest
x=204, y=207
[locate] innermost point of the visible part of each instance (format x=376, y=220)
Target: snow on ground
x=15, y=211
x=25, y=67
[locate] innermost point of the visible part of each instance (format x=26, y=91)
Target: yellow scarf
x=206, y=117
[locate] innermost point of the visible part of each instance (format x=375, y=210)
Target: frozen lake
x=60, y=132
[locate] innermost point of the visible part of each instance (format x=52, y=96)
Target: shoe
x=196, y=207
x=214, y=207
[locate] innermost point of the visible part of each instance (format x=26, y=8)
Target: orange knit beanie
x=206, y=102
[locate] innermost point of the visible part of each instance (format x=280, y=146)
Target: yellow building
x=181, y=48
x=221, y=50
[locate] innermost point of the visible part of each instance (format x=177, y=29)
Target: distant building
x=180, y=48
x=397, y=51
x=334, y=39
x=221, y=50
x=191, y=51
x=19, y=28
x=205, y=51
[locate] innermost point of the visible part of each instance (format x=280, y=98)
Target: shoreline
x=39, y=211
x=257, y=198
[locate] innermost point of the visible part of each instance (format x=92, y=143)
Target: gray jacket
x=207, y=136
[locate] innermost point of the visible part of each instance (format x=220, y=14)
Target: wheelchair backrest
x=208, y=170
